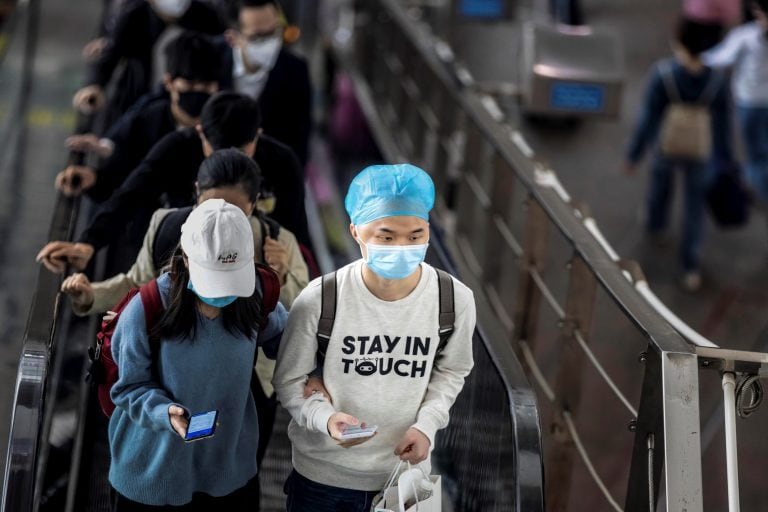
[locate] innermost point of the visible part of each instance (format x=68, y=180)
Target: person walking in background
x=745, y=52
x=685, y=111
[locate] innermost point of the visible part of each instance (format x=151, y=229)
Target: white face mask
x=171, y=8
x=262, y=54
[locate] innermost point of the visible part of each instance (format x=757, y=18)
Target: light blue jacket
x=151, y=464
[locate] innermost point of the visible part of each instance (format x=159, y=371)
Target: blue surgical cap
x=382, y=191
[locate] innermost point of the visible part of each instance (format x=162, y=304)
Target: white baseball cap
x=218, y=241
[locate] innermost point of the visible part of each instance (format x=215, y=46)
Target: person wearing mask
x=229, y=120
x=230, y=175
x=380, y=366
x=745, y=51
x=141, y=33
x=191, y=78
x=199, y=359
x=256, y=63
x=682, y=80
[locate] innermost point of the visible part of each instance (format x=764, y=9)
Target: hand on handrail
x=79, y=289
x=56, y=255
x=75, y=179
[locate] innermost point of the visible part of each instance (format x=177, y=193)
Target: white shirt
x=745, y=49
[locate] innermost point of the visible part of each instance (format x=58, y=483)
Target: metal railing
x=508, y=218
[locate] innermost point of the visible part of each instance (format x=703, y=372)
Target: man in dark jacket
x=228, y=120
x=140, y=35
x=256, y=64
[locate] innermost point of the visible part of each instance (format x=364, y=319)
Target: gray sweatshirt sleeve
x=450, y=369
x=296, y=359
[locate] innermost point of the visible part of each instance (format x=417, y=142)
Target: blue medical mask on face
x=395, y=261
x=218, y=302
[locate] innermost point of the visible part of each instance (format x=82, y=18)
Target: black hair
x=181, y=317
x=697, y=37
x=228, y=168
x=230, y=120
x=761, y=5
x=192, y=56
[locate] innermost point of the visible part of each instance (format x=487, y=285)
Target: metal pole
x=731, y=452
x=682, y=426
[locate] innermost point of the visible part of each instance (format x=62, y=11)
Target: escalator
x=490, y=456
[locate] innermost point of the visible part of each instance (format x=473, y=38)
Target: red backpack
x=103, y=370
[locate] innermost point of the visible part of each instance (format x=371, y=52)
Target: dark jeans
x=304, y=495
x=245, y=499
x=697, y=177
x=754, y=132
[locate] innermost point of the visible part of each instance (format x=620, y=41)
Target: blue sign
x=582, y=97
x=482, y=8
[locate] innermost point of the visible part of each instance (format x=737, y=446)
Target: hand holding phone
x=202, y=425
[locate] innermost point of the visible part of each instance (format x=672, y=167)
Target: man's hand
x=75, y=179
x=314, y=386
x=89, y=99
x=413, y=447
x=89, y=143
x=338, y=422
x=276, y=256
x=179, y=420
x=56, y=255
x=79, y=289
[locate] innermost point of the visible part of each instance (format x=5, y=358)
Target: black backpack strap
x=327, y=316
x=168, y=236
x=269, y=227
x=447, y=316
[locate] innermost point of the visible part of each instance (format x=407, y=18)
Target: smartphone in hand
x=358, y=432
x=202, y=425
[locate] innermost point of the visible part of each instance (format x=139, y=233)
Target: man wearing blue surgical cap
x=382, y=359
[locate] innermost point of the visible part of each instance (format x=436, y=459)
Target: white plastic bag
x=412, y=491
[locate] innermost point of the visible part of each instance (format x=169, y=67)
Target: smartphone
x=202, y=425
x=357, y=432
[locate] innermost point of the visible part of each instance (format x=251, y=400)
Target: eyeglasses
x=263, y=36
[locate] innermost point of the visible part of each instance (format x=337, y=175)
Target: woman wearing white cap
x=207, y=339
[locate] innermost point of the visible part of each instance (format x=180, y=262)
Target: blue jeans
x=754, y=131
x=304, y=495
x=697, y=179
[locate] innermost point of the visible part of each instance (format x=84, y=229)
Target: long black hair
x=181, y=317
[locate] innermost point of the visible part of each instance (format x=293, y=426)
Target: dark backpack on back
x=446, y=317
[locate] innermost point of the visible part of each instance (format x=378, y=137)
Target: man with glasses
x=256, y=63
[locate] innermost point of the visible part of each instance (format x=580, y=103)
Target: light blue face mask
x=395, y=261
x=218, y=302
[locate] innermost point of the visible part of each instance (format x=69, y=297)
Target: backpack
x=686, y=129
x=446, y=317
x=103, y=371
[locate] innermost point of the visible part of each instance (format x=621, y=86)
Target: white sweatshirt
x=379, y=368
x=745, y=49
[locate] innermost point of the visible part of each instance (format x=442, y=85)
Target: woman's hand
x=79, y=289
x=179, y=421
